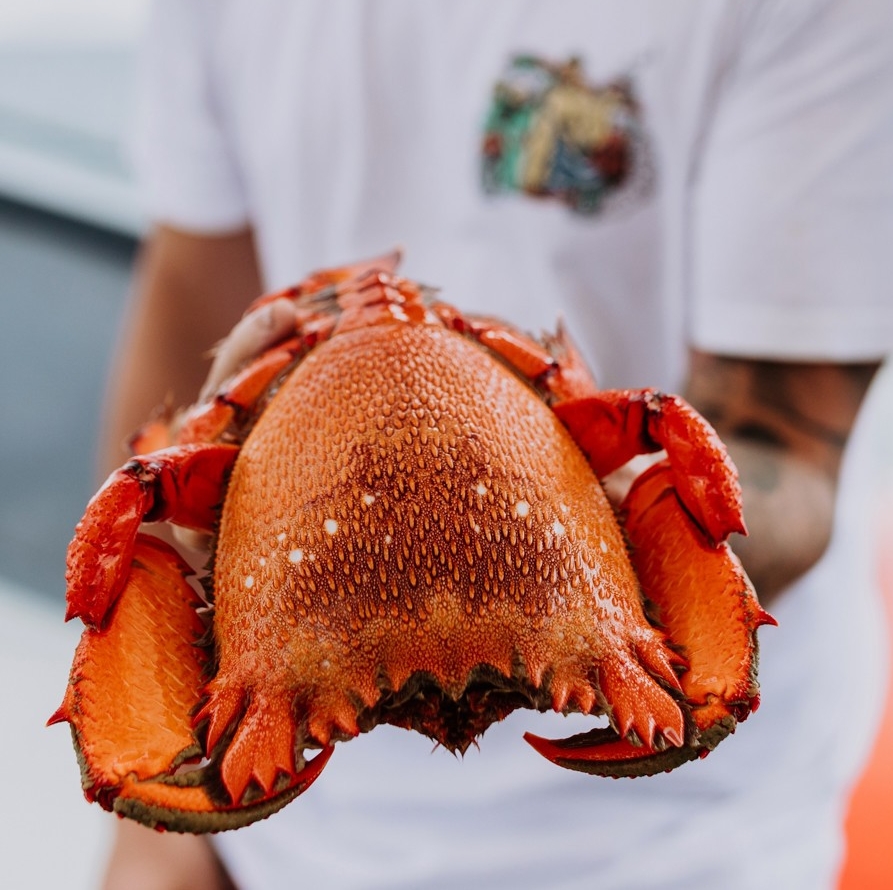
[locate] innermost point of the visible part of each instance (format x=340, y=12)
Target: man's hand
x=254, y=334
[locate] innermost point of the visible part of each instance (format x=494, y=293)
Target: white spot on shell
x=564, y=508
x=263, y=560
x=476, y=527
x=388, y=539
x=481, y=488
x=296, y=556
x=368, y=499
x=325, y=663
x=331, y=526
x=604, y=546
x=558, y=528
x=280, y=537
x=249, y=581
x=522, y=508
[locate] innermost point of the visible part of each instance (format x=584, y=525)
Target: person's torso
x=516, y=150
x=533, y=164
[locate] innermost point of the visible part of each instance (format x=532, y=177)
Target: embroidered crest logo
x=550, y=134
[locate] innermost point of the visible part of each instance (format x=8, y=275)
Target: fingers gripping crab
x=409, y=528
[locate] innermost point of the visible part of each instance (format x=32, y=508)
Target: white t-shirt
x=710, y=173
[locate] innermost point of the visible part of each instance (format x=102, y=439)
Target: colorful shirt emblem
x=550, y=134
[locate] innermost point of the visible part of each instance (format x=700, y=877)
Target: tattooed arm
x=786, y=425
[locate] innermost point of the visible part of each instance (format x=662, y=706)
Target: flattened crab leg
x=694, y=586
x=134, y=687
x=183, y=484
x=677, y=516
x=666, y=544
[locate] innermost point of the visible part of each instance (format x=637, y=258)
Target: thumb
x=255, y=333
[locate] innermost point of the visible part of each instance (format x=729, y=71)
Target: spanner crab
x=409, y=528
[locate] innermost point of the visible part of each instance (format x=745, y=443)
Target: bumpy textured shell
x=371, y=533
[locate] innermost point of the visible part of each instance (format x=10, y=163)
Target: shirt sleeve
x=792, y=233
x=184, y=161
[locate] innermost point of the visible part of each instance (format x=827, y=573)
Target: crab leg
x=615, y=426
x=324, y=280
x=134, y=686
x=667, y=544
x=694, y=586
x=182, y=484
x=209, y=421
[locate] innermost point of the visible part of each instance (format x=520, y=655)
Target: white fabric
x=338, y=129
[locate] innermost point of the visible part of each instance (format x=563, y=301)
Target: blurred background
x=68, y=228
x=69, y=221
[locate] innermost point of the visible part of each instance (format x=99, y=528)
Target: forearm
x=188, y=293
x=144, y=859
x=789, y=510
x=158, y=362
x=786, y=426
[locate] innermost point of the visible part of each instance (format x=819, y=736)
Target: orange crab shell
x=349, y=554
x=410, y=533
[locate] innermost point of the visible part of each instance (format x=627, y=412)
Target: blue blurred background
x=68, y=228
x=68, y=220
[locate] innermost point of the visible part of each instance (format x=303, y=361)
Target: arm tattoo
x=760, y=471
x=803, y=408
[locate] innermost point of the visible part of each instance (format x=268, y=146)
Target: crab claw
x=616, y=425
x=183, y=484
x=694, y=586
x=133, y=689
